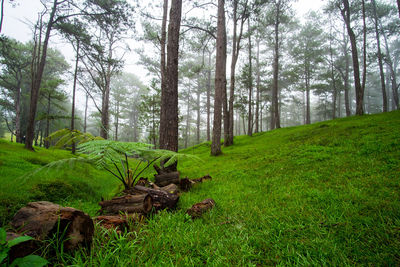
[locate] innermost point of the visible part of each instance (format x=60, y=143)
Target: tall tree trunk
x=116, y=122
x=187, y=117
x=198, y=112
x=258, y=121
x=308, y=116
x=163, y=44
x=398, y=6
x=46, y=143
x=169, y=97
x=250, y=120
x=346, y=74
x=73, y=93
x=275, y=120
x=356, y=67
x=209, y=97
x=380, y=62
x=86, y=109
x=220, y=79
x=105, y=105
x=334, y=91
x=37, y=73
x=235, y=54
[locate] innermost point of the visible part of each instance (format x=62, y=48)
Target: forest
x=288, y=114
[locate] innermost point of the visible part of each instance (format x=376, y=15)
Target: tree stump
x=129, y=203
x=161, y=199
x=185, y=184
x=199, y=208
x=171, y=189
x=43, y=219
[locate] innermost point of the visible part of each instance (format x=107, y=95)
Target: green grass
x=321, y=194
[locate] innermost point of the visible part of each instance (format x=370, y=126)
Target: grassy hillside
x=322, y=194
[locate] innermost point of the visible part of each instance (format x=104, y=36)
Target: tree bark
x=47, y=131
x=380, y=62
x=169, y=97
x=250, y=119
x=275, y=119
x=163, y=44
x=86, y=109
x=161, y=198
x=128, y=203
x=43, y=219
x=220, y=79
x=258, y=122
x=37, y=74
x=105, y=103
x=209, y=97
x=356, y=67
x=198, y=112
x=73, y=94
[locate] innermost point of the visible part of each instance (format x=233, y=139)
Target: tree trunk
x=169, y=97
x=380, y=63
x=73, y=94
x=187, y=117
x=164, y=179
x=220, y=79
x=86, y=109
x=346, y=80
x=162, y=44
x=209, y=97
x=105, y=104
x=43, y=219
x=47, y=143
x=161, y=198
x=198, y=113
x=258, y=82
x=334, y=91
x=116, y=122
x=250, y=120
x=128, y=203
x=37, y=73
x=18, y=136
x=356, y=67
x=275, y=120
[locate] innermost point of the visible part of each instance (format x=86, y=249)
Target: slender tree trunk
x=46, y=143
x=258, y=122
x=169, y=97
x=334, y=91
x=2, y=15
x=163, y=44
x=73, y=94
x=356, y=67
x=308, y=116
x=346, y=73
x=380, y=62
x=116, y=122
x=86, y=109
x=18, y=136
x=398, y=6
x=209, y=97
x=250, y=120
x=37, y=74
x=364, y=74
x=220, y=79
x=198, y=112
x=105, y=105
x=275, y=120
x=187, y=117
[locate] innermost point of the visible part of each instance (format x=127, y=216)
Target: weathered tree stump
x=42, y=220
x=161, y=199
x=129, y=203
x=199, y=208
x=171, y=189
x=22, y=249
x=164, y=179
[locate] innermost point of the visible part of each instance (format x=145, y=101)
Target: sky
x=18, y=21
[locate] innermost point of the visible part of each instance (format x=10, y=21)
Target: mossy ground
x=321, y=194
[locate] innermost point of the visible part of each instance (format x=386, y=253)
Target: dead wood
x=129, y=203
x=199, y=208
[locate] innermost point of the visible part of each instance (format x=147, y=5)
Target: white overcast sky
x=18, y=21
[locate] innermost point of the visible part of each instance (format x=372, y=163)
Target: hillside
x=321, y=194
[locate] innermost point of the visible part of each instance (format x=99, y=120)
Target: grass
x=321, y=194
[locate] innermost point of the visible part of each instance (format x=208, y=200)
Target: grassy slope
x=326, y=193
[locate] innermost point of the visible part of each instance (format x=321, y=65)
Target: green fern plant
x=65, y=137
x=113, y=156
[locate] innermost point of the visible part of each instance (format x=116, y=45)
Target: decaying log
x=161, y=199
x=199, y=208
x=171, y=189
x=164, y=179
x=22, y=249
x=201, y=179
x=129, y=203
x=118, y=222
x=185, y=184
x=42, y=219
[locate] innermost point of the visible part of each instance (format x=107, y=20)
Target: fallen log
x=42, y=220
x=129, y=203
x=201, y=179
x=161, y=199
x=199, y=208
x=171, y=189
x=164, y=179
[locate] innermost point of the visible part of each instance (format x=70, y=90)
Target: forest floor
x=321, y=194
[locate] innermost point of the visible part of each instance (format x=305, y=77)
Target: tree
x=220, y=79
x=169, y=97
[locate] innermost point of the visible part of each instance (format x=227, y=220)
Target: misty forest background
x=283, y=70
